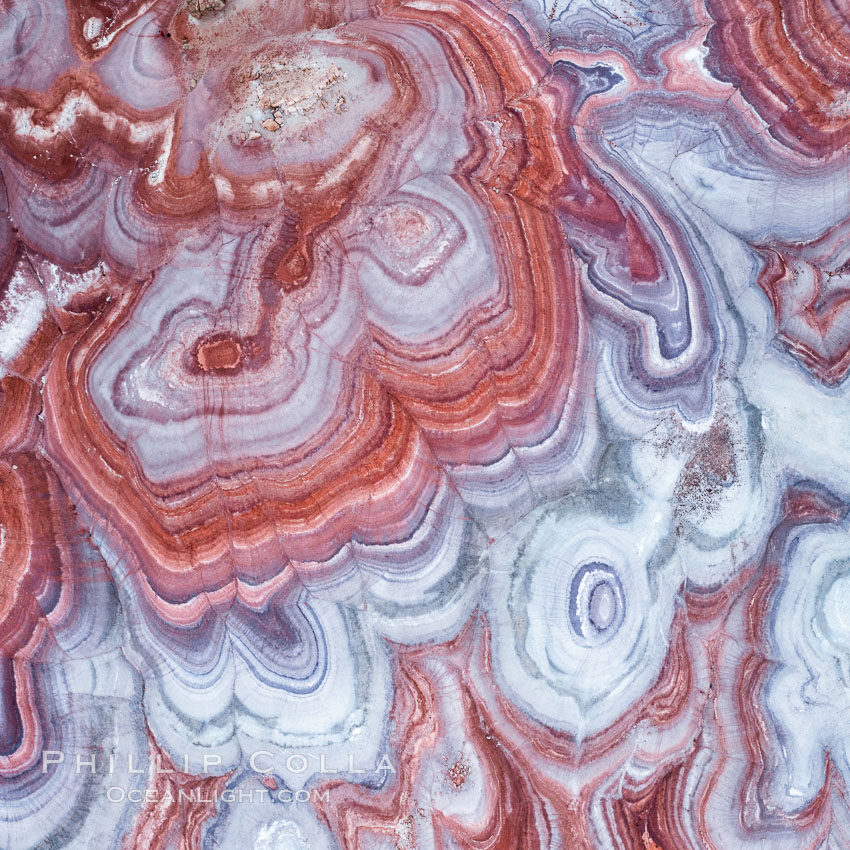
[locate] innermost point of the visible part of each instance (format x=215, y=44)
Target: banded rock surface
x=422, y=424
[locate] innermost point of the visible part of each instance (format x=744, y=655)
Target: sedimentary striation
x=422, y=424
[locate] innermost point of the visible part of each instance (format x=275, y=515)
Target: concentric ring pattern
x=423, y=424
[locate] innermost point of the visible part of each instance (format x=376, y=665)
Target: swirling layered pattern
x=422, y=424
